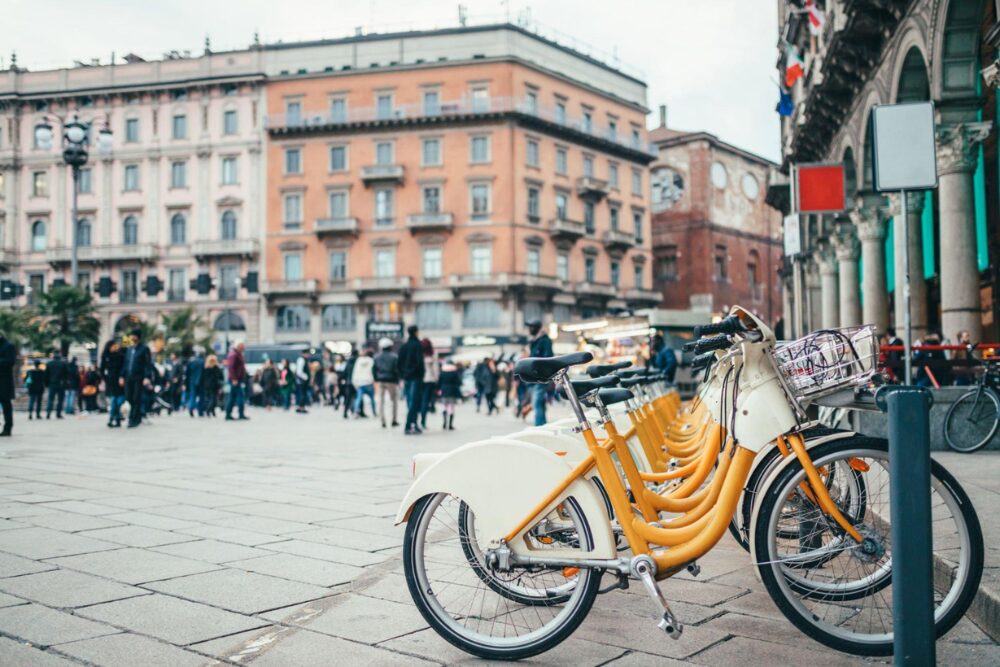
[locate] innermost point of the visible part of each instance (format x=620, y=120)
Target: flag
x=816, y=17
x=794, y=67
x=785, y=104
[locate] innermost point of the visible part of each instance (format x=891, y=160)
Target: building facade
x=480, y=179
x=716, y=242
x=944, y=51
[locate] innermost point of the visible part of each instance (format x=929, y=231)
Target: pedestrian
x=450, y=381
x=71, y=385
x=481, y=376
x=8, y=359
x=35, y=382
x=55, y=378
x=301, y=377
x=385, y=370
x=193, y=389
x=136, y=371
x=269, y=384
x=430, y=382
x=285, y=384
x=363, y=380
x=112, y=364
x=541, y=346
x=91, y=387
x=664, y=358
x=504, y=381
x=411, y=370
x=237, y=379
x=175, y=381
x=212, y=383
x=349, y=388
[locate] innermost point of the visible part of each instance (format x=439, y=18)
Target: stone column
x=829, y=287
x=957, y=153
x=918, y=285
x=848, y=250
x=869, y=219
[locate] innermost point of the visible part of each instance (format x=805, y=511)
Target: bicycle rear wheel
x=972, y=420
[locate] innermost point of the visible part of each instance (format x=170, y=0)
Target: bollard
x=912, y=561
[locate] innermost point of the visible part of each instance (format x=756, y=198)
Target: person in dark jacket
x=541, y=346
x=269, y=385
x=386, y=373
x=193, y=383
x=664, y=357
x=8, y=359
x=237, y=379
x=211, y=384
x=136, y=370
x=112, y=363
x=349, y=390
x=71, y=385
x=481, y=376
x=55, y=379
x=411, y=370
x=91, y=385
x=450, y=381
x=35, y=382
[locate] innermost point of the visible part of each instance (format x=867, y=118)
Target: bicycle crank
x=644, y=568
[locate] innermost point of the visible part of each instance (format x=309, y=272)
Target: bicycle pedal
x=644, y=568
x=694, y=569
x=670, y=626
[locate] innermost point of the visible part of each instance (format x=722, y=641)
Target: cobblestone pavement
x=270, y=542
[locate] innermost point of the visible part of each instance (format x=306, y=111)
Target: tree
x=184, y=329
x=65, y=315
x=14, y=326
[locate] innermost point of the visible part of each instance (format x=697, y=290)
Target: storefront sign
x=391, y=330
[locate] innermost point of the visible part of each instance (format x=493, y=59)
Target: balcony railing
x=614, y=238
x=472, y=280
x=225, y=248
x=429, y=221
x=640, y=295
x=142, y=252
x=382, y=172
x=588, y=186
x=567, y=229
x=538, y=281
x=596, y=289
x=382, y=284
x=290, y=287
x=176, y=295
x=336, y=226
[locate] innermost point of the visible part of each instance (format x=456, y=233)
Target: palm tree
x=184, y=329
x=65, y=314
x=14, y=326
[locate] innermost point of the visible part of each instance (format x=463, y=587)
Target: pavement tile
x=756, y=603
x=81, y=507
x=67, y=589
x=138, y=536
x=350, y=539
x=264, y=524
x=172, y=619
x=68, y=522
x=245, y=644
x=129, y=649
x=329, y=552
x=152, y=520
x=384, y=586
x=134, y=566
x=240, y=591
x=15, y=566
x=20, y=654
x=632, y=632
x=639, y=659
x=247, y=538
x=356, y=617
x=9, y=600
x=32, y=498
x=38, y=543
x=963, y=655
x=288, y=512
x=300, y=568
x=190, y=512
x=738, y=650
x=44, y=627
x=369, y=525
x=10, y=510
x=310, y=648
x=211, y=551
x=133, y=502
x=7, y=524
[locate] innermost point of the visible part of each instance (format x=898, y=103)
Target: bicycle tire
x=951, y=430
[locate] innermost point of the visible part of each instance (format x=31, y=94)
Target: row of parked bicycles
x=510, y=540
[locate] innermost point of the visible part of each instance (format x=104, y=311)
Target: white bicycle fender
x=502, y=481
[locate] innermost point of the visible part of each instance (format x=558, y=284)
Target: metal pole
x=907, y=324
x=798, y=330
x=74, y=227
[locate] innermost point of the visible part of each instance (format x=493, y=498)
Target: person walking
x=135, y=376
x=71, y=385
x=193, y=378
x=269, y=384
x=664, y=357
x=8, y=359
x=35, y=382
x=212, y=383
x=237, y=379
x=349, y=389
x=492, y=385
x=91, y=386
x=481, y=376
x=363, y=380
x=112, y=364
x=285, y=384
x=541, y=346
x=386, y=373
x=55, y=378
x=411, y=370
x=301, y=373
x=450, y=381
x=431, y=376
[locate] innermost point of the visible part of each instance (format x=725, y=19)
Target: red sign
x=820, y=188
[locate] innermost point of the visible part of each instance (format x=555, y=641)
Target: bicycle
x=972, y=420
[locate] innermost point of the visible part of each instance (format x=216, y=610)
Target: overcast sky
x=711, y=61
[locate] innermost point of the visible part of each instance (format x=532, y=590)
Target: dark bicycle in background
x=973, y=419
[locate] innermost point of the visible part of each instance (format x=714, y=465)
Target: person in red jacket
x=237, y=379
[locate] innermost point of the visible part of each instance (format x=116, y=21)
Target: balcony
x=382, y=284
x=639, y=296
x=336, y=226
x=615, y=239
x=569, y=230
x=99, y=254
x=429, y=222
x=533, y=281
x=592, y=188
x=290, y=288
x=460, y=281
x=225, y=248
x=382, y=173
x=595, y=289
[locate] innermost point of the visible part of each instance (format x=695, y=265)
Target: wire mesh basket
x=828, y=360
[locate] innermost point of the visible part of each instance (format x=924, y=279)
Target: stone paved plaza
x=270, y=542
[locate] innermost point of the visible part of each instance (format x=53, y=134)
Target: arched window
x=229, y=321
x=178, y=230
x=83, y=232
x=228, y=226
x=753, y=264
x=38, y=239
x=130, y=230
x=293, y=318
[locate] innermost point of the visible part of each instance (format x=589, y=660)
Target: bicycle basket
x=827, y=360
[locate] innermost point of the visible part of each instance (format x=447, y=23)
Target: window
x=589, y=225
x=293, y=210
x=178, y=174
x=534, y=261
x=637, y=225
x=532, y=153
x=176, y=285
x=383, y=152
x=614, y=218
x=338, y=317
x=635, y=137
x=128, y=288
x=613, y=175
x=561, y=312
x=230, y=122
x=432, y=199
x=38, y=238
x=616, y=273
x=561, y=161
x=40, y=184
x=229, y=281
x=292, y=318
x=385, y=263
x=721, y=264
x=36, y=284
x=589, y=269
x=562, y=266
x=637, y=271
x=131, y=130
x=481, y=313
x=180, y=94
x=482, y=260
x=432, y=264
x=131, y=177
x=229, y=171
x=179, y=128
x=293, y=112
x=83, y=232
x=533, y=311
x=588, y=121
x=636, y=182
x=130, y=230
x=383, y=106
x=178, y=230
x=338, y=204
x=753, y=261
x=338, y=266
x=292, y=266
x=432, y=102
x=534, y=204
x=531, y=101
x=433, y=315
x=338, y=110
x=479, y=149
x=588, y=166
x=84, y=184
x=562, y=205
x=293, y=160
x=338, y=158
x=612, y=129
x=430, y=154
x=666, y=264
x=384, y=206
x=480, y=99
x=561, y=112
x=480, y=195
x=228, y=231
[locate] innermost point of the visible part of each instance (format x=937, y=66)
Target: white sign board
x=792, y=235
x=903, y=155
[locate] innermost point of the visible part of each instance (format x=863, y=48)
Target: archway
x=229, y=321
x=959, y=49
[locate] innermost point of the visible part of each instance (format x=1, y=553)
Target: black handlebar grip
x=728, y=325
x=703, y=360
x=714, y=343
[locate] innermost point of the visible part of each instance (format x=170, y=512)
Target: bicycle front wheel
x=972, y=420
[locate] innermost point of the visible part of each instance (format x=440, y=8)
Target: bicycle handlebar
x=714, y=343
x=729, y=326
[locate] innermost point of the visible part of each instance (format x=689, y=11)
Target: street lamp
x=75, y=140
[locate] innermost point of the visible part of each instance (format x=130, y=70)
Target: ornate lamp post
x=76, y=136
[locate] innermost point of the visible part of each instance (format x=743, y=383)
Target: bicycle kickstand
x=644, y=568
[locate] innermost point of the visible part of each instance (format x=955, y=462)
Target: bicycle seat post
x=562, y=378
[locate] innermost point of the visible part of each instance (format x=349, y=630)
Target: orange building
x=466, y=192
